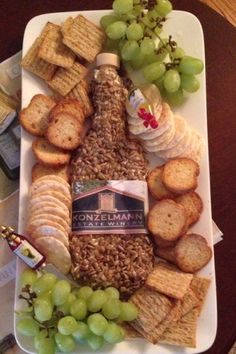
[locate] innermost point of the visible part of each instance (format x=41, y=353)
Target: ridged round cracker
x=53, y=178
x=164, y=124
x=196, y=148
x=178, y=149
x=43, y=204
x=55, y=252
x=50, y=231
x=164, y=138
x=38, y=187
x=33, y=224
x=47, y=199
x=51, y=210
x=63, y=198
x=53, y=218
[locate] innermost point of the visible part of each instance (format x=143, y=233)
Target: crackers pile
x=169, y=306
x=173, y=137
x=49, y=219
x=177, y=209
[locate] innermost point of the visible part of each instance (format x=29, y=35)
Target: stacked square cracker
x=169, y=306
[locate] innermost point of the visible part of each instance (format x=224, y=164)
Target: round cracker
x=47, y=199
x=166, y=137
x=46, y=231
x=33, y=224
x=50, y=211
x=37, y=187
x=53, y=178
x=59, y=196
x=43, y=204
x=53, y=218
x=55, y=252
x=178, y=149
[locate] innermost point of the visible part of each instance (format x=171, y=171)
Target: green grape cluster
x=60, y=316
x=134, y=33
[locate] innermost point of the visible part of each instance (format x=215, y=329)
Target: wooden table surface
x=220, y=42
x=227, y=8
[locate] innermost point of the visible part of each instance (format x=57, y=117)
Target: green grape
x=45, y=283
x=42, y=334
x=94, y=342
x=112, y=293
x=97, y=323
x=28, y=277
x=122, y=6
x=191, y=66
x=189, y=83
x=174, y=98
x=107, y=20
x=111, y=309
x=163, y=7
x=129, y=16
x=46, y=346
x=134, y=32
x=116, y=30
x=137, y=10
x=111, y=45
x=60, y=292
x=67, y=325
x=130, y=50
x=128, y=311
x=159, y=83
x=147, y=46
x=158, y=29
x=96, y=300
x=64, y=343
x=121, y=44
x=178, y=53
x=28, y=327
x=65, y=308
x=153, y=14
x=152, y=58
x=113, y=333
x=149, y=22
x=84, y=292
x=153, y=71
x=81, y=332
x=78, y=309
x=138, y=62
x=172, y=80
x=43, y=309
x=46, y=296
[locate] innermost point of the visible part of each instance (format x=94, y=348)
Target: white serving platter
x=187, y=31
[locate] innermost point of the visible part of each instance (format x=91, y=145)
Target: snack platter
x=183, y=26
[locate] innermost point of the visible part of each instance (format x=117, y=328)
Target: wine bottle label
x=29, y=254
x=139, y=102
x=108, y=207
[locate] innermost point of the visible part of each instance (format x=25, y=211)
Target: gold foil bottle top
x=6, y=231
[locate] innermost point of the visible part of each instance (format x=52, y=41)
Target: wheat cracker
x=39, y=170
x=200, y=286
x=54, y=51
x=170, y=282
x=65, y=80
x=83, y=37
x=80, y=93
x=56, y=253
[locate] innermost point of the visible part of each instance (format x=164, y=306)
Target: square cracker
x=79, y=92
x=54, y=51
x=83, y=37
x=65, y=80
x=189, y=302
x=153, y=310
x=200, y=286
x=183, y=332
x=33, y=63
x=169, y=280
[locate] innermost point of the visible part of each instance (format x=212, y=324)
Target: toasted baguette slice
x=68, y=105
x=49, y=155
x=167, y=220
x=192, y=253
x=64, y=131
x=39, y=170
x=180, y=175
x=193, y=205
x=155, y=185
x=35, y=117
